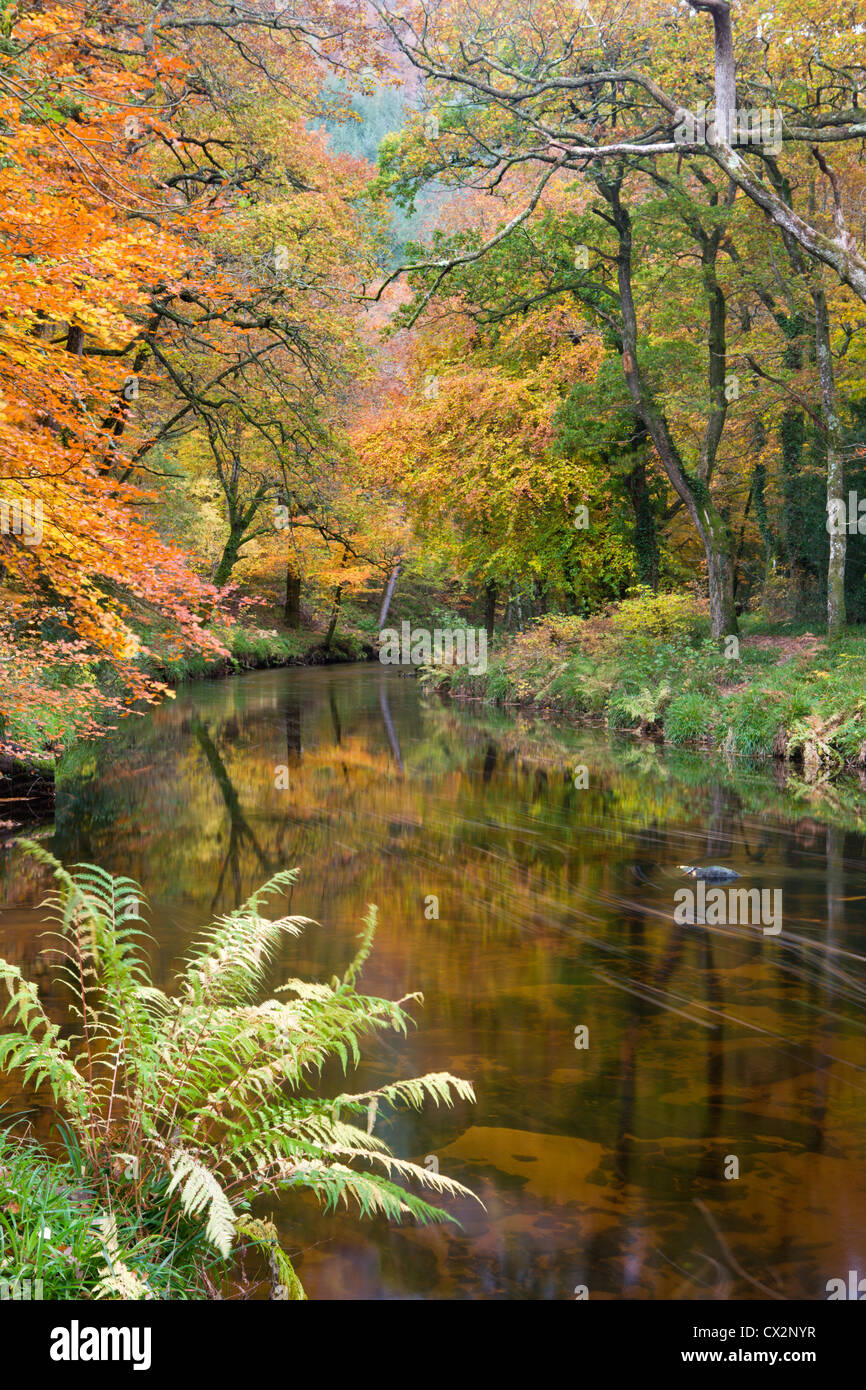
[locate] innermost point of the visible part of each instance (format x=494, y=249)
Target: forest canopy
x=489, y=311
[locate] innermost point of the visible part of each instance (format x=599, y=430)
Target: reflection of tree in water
x=724, y=806
x=239, y=828
x=724, y=814
x=722, y=1253
x=489, y=761
x=241, y=834
x=626, y=1167
x=335, y=718
x=533, y=873
x=389, y=726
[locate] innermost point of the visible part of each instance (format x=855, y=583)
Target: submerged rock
x=713, y=873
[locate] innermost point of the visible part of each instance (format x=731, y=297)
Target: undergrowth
x=649, y=665
x=179, y=1109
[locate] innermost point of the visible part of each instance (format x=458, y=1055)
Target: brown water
x=601, y=1166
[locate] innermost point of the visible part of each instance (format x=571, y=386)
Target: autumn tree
x=518, y=100
x=80, y=246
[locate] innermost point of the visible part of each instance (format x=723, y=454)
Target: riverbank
x=256, y=649
x=61, y=704
x=649, y=666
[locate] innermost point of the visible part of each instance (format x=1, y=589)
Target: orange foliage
x=82, y=245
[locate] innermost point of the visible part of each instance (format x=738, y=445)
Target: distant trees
x=594, y=115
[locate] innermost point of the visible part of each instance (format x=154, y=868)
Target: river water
x=664, y=1110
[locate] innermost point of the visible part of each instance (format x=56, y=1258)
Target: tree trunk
x=694, y=491
x=490, y=607
x=335, y=611
x=75, y=340
x=725, y=70
x=723, y=613
x=792, y=433
x=388, y=593
x=646, y=546
x=229, y=557
x=541, y=599
x=836, y=615
x=292, y=611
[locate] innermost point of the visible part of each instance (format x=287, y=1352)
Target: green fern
x=646, y=706
x=186, y=1105
x=200, y=1190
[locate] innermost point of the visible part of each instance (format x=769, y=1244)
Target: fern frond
x=357, y=964
x=118, y=1281
x=41, y=1059
x=199, y=1189
x=240, y=949
x=438, y=1086
x=336, y=1184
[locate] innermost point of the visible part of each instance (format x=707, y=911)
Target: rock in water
x=713, y=873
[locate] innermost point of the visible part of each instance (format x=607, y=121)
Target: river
x=664, y=1110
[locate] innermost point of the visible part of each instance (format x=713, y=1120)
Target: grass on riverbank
x=649, y=665
x=57, y=1243
x=255, y=648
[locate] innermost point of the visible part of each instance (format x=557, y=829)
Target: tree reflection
x=240, y=831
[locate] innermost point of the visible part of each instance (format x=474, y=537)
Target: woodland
x=475, y=309
x=539, y=320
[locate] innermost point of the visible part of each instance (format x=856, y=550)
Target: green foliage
x=576, y=685
x=49, y=1231
x=645, y=664
x=345, y=646
x=657, y=617
x=644, y=707
x=754, y=719
x=564, y=629
x=184, y=1107
x=688, y=718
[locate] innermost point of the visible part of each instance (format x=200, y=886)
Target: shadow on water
x=626, y=1064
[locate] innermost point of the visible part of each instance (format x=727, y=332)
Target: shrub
x=563, y=629
x=577, y=686
x=182, y=1108
x=658, y=616
x=348, y=646
x=754, y=718
x=687, y=718
x=776, y=601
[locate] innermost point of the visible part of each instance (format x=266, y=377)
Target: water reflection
x=601, y=1166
